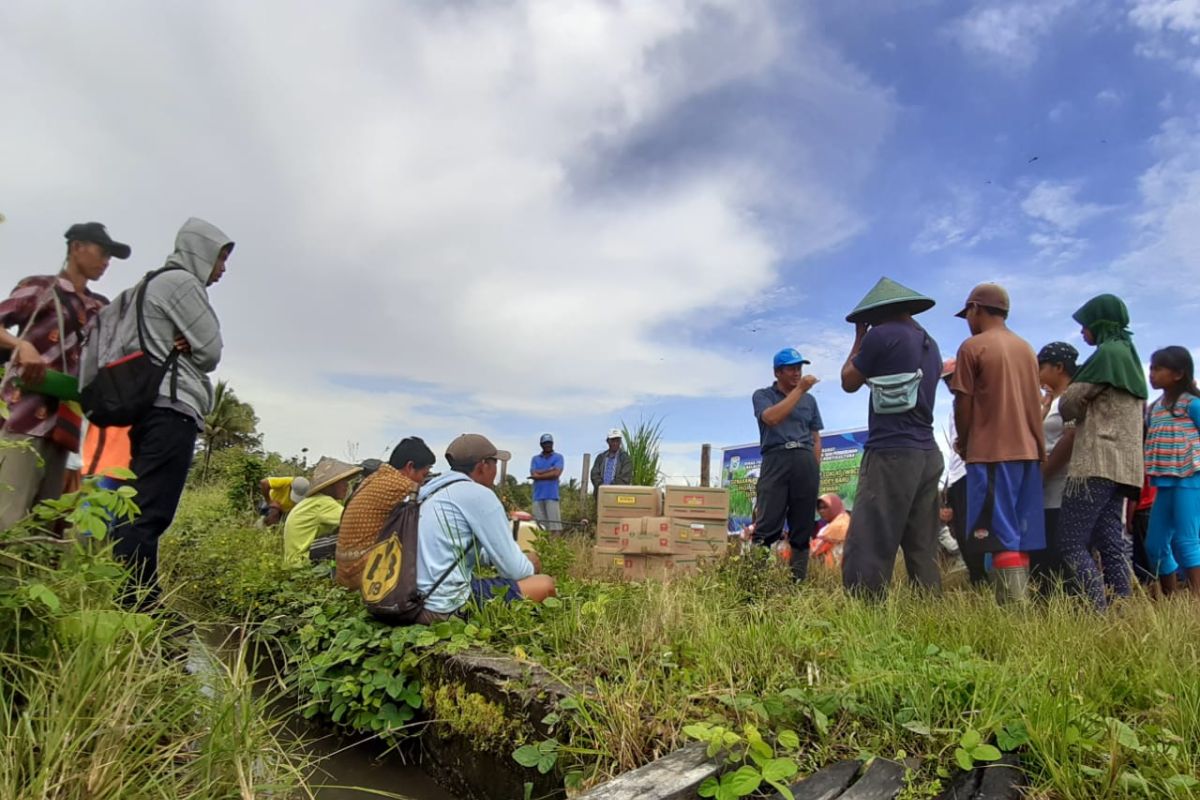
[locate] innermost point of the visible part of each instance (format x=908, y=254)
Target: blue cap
x=546, y=438
x=789, y=356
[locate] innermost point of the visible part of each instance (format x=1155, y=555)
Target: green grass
x=1096, y=706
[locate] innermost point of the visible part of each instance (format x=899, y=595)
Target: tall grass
x=1098, y=706
x=642, y=444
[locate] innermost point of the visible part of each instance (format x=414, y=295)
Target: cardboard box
x=695, y=530
x=606, y=562
x=608, y=544
x=706, y=552
x=629, y=501
x=657, y=567
x=695, y=502
x=610, y=526
x=649, y=535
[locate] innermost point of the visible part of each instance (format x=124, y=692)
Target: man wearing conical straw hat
x=320, y=512
x=896, y=505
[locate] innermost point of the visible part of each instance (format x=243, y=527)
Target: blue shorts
x=484, y=589
x=1004, y=507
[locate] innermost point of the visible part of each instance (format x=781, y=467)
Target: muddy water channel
x=346, y=769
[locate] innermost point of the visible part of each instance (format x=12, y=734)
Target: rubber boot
x=1011, y=576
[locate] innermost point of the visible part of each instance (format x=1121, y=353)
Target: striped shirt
x=1173, y=440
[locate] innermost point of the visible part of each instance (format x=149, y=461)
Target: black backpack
x=389, y=579
x=117, y=388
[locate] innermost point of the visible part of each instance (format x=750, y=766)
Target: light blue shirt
x=461, y=514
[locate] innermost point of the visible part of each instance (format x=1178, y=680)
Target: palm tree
x=230, y=422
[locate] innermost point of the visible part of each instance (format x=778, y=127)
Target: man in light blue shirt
x=462, y=525
x=544, y=469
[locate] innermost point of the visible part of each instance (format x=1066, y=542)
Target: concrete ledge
x=676, y=776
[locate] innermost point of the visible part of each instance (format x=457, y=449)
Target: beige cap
x=991, y=295
x=472, y=447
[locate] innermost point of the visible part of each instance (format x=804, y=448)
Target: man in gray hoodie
x=177, y=316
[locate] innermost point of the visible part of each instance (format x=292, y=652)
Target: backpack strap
x=457, y=561
x=171, y=362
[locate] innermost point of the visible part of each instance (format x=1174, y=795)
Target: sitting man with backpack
x=168, y=317
x=371, y=505
x=462, y=524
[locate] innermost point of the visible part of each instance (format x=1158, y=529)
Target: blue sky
x=553, y=216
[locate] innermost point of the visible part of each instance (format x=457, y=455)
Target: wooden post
x=587, y=476
x=705, y=456
x=503, y=470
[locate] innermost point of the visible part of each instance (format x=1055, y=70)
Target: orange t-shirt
x=101, y=453
x=998, y=370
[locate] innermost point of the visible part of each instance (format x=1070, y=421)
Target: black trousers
x=162, y=444
x=896, y=507
x=787, y=492
x=956, y=497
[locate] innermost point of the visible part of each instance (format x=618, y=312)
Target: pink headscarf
x=834, y=504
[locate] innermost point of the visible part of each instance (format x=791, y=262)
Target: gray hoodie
x=177, y=304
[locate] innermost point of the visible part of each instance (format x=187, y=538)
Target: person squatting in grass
x=279, y=496
x=789, y=432
x=998, y=413
x=897, y=502
x=462, y=524
x=1056, y=368
x=1173, y=464
x=50, y=312
x=1106, y=402
x=320, y=512
x=178, y=315
x=406, y=470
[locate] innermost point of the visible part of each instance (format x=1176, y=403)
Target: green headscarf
x=1115, y=361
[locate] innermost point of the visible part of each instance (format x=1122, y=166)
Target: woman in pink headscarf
x=831, y=531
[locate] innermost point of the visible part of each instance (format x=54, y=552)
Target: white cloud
x=1109, y=97
x=529, y=208
x=1008, y=33
x=962, y=221
x=1172, y=31
x=1055, y=203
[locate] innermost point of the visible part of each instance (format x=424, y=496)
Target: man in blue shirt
x=789, y=432
x=544, y=469
x=463, y=525
x=896, y=506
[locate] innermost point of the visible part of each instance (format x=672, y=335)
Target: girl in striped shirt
x=1173, y=465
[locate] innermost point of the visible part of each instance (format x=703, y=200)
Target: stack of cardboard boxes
x=646, y=535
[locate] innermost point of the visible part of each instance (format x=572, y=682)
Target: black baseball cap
x=94, y=232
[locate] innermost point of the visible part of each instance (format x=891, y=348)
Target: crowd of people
x=1059, y=473
x=1053, y=466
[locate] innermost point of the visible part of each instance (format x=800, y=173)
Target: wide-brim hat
x=889, y=294
x=328, y=472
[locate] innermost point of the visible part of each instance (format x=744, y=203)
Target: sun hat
x=95, y=233
x=299, y=488
x=546, y=439
x=614, y=433
x=473, y=447
x=328, y=472
x=889, y=293
x=789, y=356
x=991, y=295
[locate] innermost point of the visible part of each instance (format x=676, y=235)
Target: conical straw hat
x=889, y=293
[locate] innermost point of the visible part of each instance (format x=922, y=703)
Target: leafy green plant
x=973, y=750
x=764, y=766
x=642, y=444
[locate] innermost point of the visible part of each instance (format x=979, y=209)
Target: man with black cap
x=544, y=470
x=462, y=525
x=998, y=415
x=50, y=312
x=789, y=434
x=896, y=506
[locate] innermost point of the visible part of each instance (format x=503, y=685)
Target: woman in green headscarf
x=1106, y=402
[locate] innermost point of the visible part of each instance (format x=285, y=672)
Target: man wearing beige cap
x=998, y=415
x=462, y=525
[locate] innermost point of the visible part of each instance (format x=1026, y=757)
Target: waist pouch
x=895, y=394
